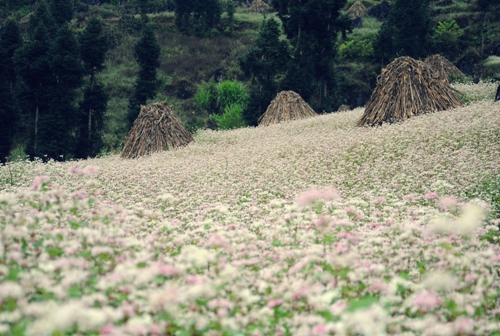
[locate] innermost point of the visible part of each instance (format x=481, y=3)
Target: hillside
x=467, y=36
x=313, y=227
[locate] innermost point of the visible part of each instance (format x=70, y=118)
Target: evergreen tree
x=32, y=63
x=62, y=11
x=198, y=17
x=265, y=63
x=93, y=49
x=59, y=126
x=41, y=16
x=93, y=107
x=147, y=54
x=10, y=41
x=406, y=31
x=312, y=27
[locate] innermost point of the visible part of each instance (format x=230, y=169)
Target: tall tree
x=93, y=50
x=32, y=63
x=147, y=54
x=198, y=17
x=265, y=63
x=57, y=134
x=312, y=27
x=406, y=31
x=10, y=41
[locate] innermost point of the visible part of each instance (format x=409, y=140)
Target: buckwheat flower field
x=314, y=227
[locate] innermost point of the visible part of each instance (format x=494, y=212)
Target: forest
x=73, y=73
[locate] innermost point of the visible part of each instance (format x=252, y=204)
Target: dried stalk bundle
x=156, y=129
x=442, y=67
x=259, y=6
x=407, y=88
x=357, y=10
x=287, y=106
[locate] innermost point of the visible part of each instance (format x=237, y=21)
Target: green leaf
x=364, y=302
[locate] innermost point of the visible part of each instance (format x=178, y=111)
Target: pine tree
x=93, y=107
x=93, y=49
x=406, y=31
x=10, y=41
x=265, y=63
x=312, y=28
x=32, y=63
x=147, y=54
x=62, y=11
x=198, y=17
x=60, y=125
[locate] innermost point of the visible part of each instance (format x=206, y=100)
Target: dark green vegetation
x=73, y=75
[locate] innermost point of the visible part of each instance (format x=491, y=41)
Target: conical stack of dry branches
x=407, y=88
x=443, y=68
x=259, y=6
x=287, y=106
x=357, y=10
x=156, y=129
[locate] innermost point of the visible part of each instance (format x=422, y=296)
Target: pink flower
x=314, y=194
x=107, y=330
x=275, y=303
x=463, y=325
x=430, y=195
x=426, y=301
x=38, y=180
x=320, y=329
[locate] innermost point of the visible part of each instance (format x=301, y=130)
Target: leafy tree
x=147, y=54
x=198, y=17
x=93, y=49
x=265, y=63
x=406, y=31
x=312, y=28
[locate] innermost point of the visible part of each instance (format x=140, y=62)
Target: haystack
x=287, y=106
x=156, y=129
x=407, y=88
x=357, y=10
x=443, y=68
x=259, y=6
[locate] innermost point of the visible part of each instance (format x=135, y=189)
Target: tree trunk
x=90, y=109
x=36, y=127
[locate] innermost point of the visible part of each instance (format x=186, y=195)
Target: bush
x=205, y=96
x=231, y=118
x=231, y=93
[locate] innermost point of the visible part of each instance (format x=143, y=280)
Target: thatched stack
x=156, y=129
x=357, y=10
x=343, y=108
x=407, y=88
x=259, y=6
x=443, y=68
x=287, y=106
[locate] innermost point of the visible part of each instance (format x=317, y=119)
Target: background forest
x=73, y=74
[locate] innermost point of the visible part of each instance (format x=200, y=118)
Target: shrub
x=231, y=118
x=205, y=96
x=231, y=93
